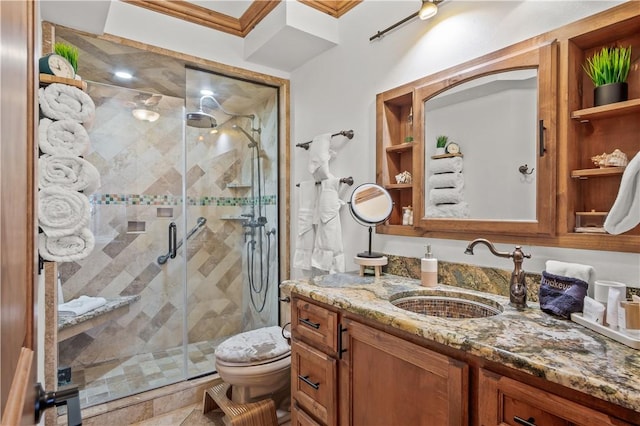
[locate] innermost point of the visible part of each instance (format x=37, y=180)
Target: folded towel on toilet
x=625, y=213
x=446, y=165
x=62, y=211
x=67, y=248
x=81, y=305
x=458, y=210
x=64, y=137
x=446, y=195
x=64, y=102
x=446, y=180
x=68, y=171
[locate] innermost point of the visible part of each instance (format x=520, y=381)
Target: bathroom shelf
x=397, y=186
x=605, y=171
x=607, y=111
x=436, y=157
x=399, y=149
x=49, y=79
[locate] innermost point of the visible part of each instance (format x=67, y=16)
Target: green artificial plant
x=69, y=52
x=441, y=141
x=610, y=65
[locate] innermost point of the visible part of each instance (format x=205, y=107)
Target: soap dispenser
x=429, y=268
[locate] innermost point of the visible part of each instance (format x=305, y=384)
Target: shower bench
x=69, y=326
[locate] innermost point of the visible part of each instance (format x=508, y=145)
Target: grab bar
x=175, y=245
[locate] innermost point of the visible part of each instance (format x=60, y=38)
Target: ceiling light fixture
x=123, y=74
x=428, y=9
x=145, y=115
x=206, y=92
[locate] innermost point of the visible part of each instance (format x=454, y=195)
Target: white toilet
x=257, y=365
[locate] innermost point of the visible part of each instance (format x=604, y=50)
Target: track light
x=428, y=9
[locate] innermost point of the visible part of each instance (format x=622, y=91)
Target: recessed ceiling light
x=123, y=74
x=206, y=92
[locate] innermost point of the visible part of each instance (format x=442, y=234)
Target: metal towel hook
x=524, y=169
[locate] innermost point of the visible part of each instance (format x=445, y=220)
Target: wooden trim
x=332, y=7
x=209, y=18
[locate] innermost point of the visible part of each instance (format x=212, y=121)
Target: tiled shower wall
x=141, y=166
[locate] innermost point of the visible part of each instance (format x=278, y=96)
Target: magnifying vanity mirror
x=370, y=205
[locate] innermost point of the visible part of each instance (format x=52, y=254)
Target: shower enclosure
x=186, y=223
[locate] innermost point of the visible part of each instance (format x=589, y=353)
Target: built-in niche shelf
x=605, y=171
x=399, y=149
x=607, y=111
x=238, y=185
x=392, y=186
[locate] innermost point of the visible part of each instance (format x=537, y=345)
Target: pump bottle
x=429, y=269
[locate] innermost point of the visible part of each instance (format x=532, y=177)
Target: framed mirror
x=499, y=123
x=370, y=205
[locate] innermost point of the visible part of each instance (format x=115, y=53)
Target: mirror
x=499, y=110
x=492, y=119
x=370, y=205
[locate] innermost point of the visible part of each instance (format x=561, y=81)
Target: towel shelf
x=46, y=79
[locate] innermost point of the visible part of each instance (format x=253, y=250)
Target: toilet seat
x=256, y=347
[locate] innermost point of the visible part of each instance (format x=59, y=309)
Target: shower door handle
x=173, y=232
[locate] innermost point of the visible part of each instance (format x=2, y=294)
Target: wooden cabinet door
x=504, y=401
x=17, y=230
x=387, y=381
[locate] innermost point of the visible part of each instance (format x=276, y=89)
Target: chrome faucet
x=517, y=285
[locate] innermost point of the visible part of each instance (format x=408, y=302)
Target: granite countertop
x=111, y=305
x=558, y=350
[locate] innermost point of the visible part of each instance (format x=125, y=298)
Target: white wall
x=337, y=91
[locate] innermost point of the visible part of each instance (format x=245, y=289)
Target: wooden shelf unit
x=593, y=130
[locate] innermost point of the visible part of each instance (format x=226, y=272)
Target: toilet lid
x=262, y=344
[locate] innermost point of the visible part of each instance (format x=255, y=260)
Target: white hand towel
x=81, y=305
x=64, y=137
x=68, y=171
x=307, y=198
x=328, y=253
x=459, y=210
x=585, y=273
x=61, y=211
x=446, y=195
x=319, y=156
x=625, y=213
x=446, y=165
x=67, y=248
x=64, y=102
x=446, y=180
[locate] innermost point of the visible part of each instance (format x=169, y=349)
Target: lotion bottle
x=429, y=269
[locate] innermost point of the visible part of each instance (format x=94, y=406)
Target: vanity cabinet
x=346, y=372
x=504, y=401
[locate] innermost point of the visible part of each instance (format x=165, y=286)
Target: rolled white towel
x=81, y=305
x=446, y=195
x=446, y=165
x=459, y=210
x=64, y=137
x=62, y=211
x=446, y=180
x=67, y=248
x=64, y=102
x=625, y=212
x=68, y=171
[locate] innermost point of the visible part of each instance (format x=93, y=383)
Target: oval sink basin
x=447, y=304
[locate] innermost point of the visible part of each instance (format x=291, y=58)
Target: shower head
x=201, y=120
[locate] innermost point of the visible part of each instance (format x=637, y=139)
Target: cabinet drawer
x=315, y=325
x=314, y=382
x=504, y=401
x=300, y=418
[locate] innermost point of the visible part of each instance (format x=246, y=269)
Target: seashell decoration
x=404, y=177
x=616, y=159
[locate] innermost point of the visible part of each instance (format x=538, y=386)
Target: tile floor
x=123, y=377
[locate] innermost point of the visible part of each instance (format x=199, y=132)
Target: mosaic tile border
x=173, y=200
